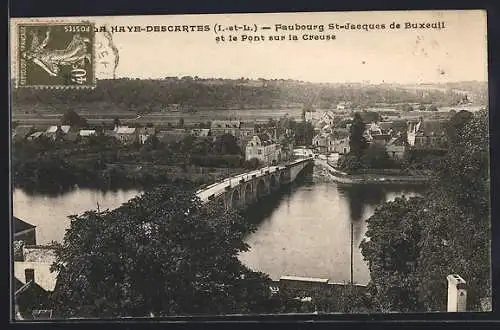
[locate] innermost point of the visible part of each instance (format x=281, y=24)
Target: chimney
x=457, y=293
x=29, y=274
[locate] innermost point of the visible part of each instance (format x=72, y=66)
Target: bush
x=376, y=157
x=252, y=164
x=349, y=163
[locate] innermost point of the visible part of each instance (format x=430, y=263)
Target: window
x=29, y=274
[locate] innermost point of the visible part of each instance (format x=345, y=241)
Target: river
x=304, y=231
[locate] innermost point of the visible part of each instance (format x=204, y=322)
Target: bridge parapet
x=247, y=188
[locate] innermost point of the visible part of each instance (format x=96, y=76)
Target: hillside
x=193, y=94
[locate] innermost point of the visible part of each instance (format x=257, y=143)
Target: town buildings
x=172, y=135
x=126, y=135
x=264, y=149
x=427, y=134
x=33, y=279
x=61, y=132
x=144, y=133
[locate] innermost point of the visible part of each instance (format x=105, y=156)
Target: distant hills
x=196, y=94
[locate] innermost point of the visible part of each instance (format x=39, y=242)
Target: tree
x=456, y=125
x=421, y=107
x=407, y=107
x=162, y=253
x=376, y=157
x=414, y=244
x=391, y=251
x=432, y=107
x=226, y=144
x=370, y=116
x=357, y=142
x=71, y=118
x=180, y=124
x=303, y=133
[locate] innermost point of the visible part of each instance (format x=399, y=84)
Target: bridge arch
x=261, y=188
x=247, y=193
x=235, y=199
x=274, y=182
x=282, y=177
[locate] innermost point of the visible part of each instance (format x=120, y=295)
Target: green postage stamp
x=56, y=55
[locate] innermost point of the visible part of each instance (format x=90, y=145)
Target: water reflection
x=305, y=231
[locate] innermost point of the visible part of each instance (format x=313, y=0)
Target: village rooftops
x=36, y=135
x=395, y=125
x=124, y=130
x=87, y=132
x=225, y=124
x=147, y=130
x=201, y=132
x=432, y=127
x=53, y=129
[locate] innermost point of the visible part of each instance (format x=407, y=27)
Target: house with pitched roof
x=221, y=127
x=396, y=147
x=35, y=136
x=61, y=132
x=427, y=134
x=200, y=132
x=33, y=281
x=125, y=134
x=145, y=133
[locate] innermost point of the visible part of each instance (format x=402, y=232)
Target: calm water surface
x=305, y=231
x=50, y=213
x=308, y=232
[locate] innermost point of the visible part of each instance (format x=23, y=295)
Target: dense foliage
x=413, y=244
x=102, y=162
x=357, y=141
x=162, y=253
x=71, y=118
x=153, y=95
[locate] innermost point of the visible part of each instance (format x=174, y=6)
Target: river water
x=304, y=231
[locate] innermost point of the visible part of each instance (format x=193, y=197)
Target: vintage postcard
x=250, y=164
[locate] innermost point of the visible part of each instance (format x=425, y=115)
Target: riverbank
x=326, y=171
x=53, y=178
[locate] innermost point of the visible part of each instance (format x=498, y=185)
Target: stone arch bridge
x=245, y=189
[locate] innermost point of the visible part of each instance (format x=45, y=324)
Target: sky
x=457, y=52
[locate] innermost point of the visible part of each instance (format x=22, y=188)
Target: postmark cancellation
x=56, y=55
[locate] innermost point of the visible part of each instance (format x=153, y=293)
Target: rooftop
x=125, y=130
x=20, y=225
x=225, y=124
x=87, y=132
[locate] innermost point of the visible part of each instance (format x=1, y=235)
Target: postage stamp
x=56, y=55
